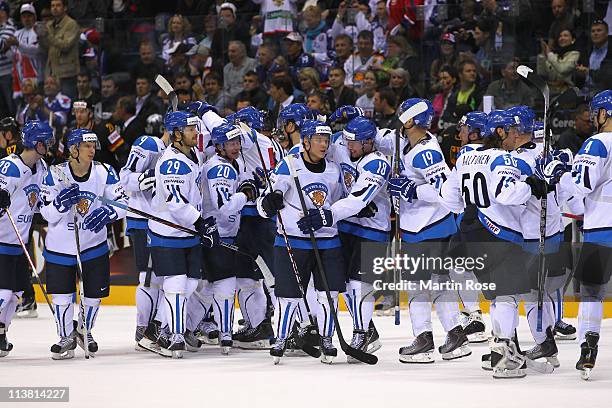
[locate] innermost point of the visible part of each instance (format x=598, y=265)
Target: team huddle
x=283, y=230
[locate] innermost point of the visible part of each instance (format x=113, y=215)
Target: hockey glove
x=565, y=156
x=99, y=218
x=259, y=176
x=550, y=170
x=539, y=187
x=316, y=219
x=200, y=108
x=249, y=188
x=272, y=203
x=5, y=199
x=345, y=114
x=146, y=181
x=402, y=186
x=67, y=198
x=368, y=211
x=207, y=230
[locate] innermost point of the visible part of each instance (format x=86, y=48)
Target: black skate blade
x=362, y=356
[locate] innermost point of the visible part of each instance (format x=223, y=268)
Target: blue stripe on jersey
x=155, y=240
x=228, y=240
x=112, y=177
x=136, y=224
x=500, y=232
x=304, y=243
x=459, y=218
x=445, y=227
x=9, y=169
x=146, y=143
x=427, y=158
x=363, y=232
x=173, y=166
x=601, y=236
x=594, y=147
x=70, y=260
x=10, y=249
x=552, y=244
x=249, y=211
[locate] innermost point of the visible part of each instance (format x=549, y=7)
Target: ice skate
x=207, y=332
x=420, y=351
x=328, y=351
x=5, y=346
x=588, y=355
x=27, y=309
x=359, y=342
x=254, y=338
x=506, y=360
x=385, y=307
x=226, y=345
x=192, y=343
x=547, y=350
x=564, y=331
x=373, y=339
x=177, y=345
x=162, y=343
x=474, y=327
x=140, y=331
x=92, y=345
x=456, y=345
x=278, y=350
x=64, y=349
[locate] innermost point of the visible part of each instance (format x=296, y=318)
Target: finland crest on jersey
x=60, y=246
x=178, y=197
x=24, y=188
x=144, y=155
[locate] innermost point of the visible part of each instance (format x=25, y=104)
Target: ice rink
x=121, y=377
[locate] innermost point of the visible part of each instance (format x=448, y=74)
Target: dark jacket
x=348, y=96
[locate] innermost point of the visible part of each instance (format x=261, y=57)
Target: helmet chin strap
x=601, y=125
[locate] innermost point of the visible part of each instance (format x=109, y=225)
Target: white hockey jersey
x=23, y=184
x=491, y=180
x=278, y=15
x=591, y=178
x=220, y=196
x=364, y=181
x=60, y=245
x=144, y=155
x=178, y=197
x=320, y=190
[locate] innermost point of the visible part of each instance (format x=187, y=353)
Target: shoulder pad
x=282, y=168
x=9, y=169
x=427, y=158
x=379, y=167
x=48, y=179
x=111, y=174
x=594, y=147
x=174, y=167
x=222, y=171
x=146, y=143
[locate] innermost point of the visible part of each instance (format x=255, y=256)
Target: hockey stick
x=27, y=254
x=542, y=86
x=353, y=352
x=168, y=90
x=246, y=128
x=261, y=264
x=397, y=243
x=62, y=177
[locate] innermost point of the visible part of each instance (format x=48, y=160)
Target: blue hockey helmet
x=312, y=127
x=359, y=129
x=500, y=119
x=296, y=113
x=78, y=136
x=475, y=121
x=602, y=100
x=224, y=133
x=525, y=116
x=179, y=120
x=36, y=131
x=421, y=110
x=251, y=116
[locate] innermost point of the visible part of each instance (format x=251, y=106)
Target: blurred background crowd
x=92, y=63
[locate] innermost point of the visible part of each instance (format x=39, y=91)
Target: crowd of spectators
x=92, y=63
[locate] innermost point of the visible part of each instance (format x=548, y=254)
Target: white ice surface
x=121, y=377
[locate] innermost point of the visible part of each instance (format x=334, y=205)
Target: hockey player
x=290, y=121
x=224, y=196
x=426, y=227
x=21, y=176
x=138, y=180
x=591, y=178
x=490, y=178
x=362, y=217
x=178, y=197
x=472, y=129
x=70, y=190
x=320, y=180
x=255, y=236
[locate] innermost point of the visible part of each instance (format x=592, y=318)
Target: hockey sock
x=468, y=297
x=548, y=319
x=313, y=304
x=359, y=296
x=446, y=302
x=252, y=300
x=557, y=295
x=325, y=319
x=223, y=302
x=419, y=308
x=146, y=299
x=6, y=297
x=9, y=307
x=590, y=310
x=285, y=310
x=505, y=317
x=196, y=311
x=272, y=295
x=92, y=306
x=64, y=313
x=175, y=300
